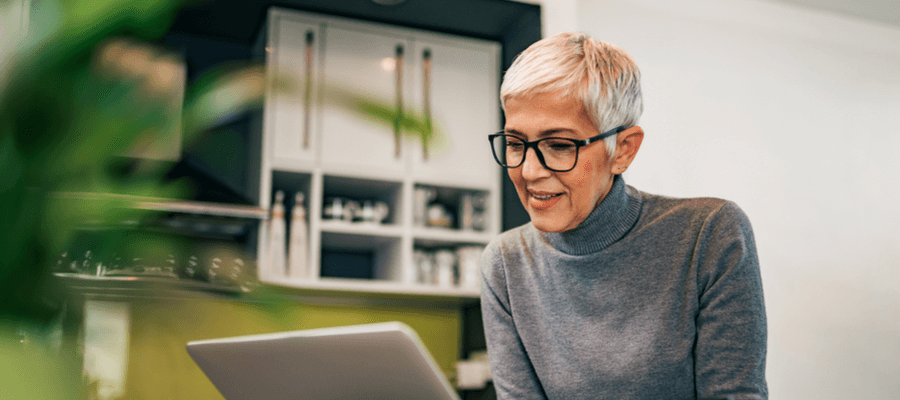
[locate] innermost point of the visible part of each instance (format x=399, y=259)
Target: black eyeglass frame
x=534, y=145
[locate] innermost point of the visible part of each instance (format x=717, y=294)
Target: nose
x=532, y=168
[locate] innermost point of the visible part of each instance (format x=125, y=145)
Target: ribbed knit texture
x=604, y=226
x=649, y=298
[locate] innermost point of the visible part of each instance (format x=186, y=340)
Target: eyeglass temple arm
x=604, y=135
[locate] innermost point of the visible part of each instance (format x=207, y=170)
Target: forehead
x=542, y=114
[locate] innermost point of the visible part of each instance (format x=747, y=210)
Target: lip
x=542, y=204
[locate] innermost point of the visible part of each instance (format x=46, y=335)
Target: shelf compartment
x=362, y=190
x=451, y=208
x=359, y=256
x=447, y=265
x=290, y=183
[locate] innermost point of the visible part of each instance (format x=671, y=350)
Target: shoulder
x=507, y=243
x=511, y=248
x=692, y=211
x=696, y=223
x=716, y=233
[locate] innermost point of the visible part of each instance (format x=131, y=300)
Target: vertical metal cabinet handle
x=426, y=100
x=399, y=118
x=307, y=91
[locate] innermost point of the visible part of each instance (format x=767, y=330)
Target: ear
x=627, y=146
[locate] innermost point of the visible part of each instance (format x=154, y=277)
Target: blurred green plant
x=61, y=121
x=80, y=88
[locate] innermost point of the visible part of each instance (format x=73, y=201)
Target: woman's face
x=557, y=201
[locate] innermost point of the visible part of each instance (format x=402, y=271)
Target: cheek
x=582, y=176
x=586, y=180
x=584, y=172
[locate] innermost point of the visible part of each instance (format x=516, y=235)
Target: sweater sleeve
x=513, y=374
x=730, y=351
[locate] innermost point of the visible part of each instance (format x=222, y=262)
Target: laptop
x=371, y=361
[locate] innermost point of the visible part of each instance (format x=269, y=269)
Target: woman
x=610, y=292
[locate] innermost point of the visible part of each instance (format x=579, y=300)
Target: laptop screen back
x=372, y=361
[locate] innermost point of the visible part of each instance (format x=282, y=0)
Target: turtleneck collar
x=609, y=222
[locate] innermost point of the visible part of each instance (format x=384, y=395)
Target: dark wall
x=221, y=154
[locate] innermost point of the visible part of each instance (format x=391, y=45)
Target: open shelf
x=375, y=287
x=443, y=236
x=362, y=228
x=133, y=285
x=170, y=205
x=102, y=287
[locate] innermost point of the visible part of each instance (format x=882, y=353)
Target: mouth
x=545, y=196
x=539, y=201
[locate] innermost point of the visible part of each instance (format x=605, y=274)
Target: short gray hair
x=603, y=75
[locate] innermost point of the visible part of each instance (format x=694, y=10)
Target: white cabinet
x=292, y=59
x=364, y=64
x=458, y=87
x=361, y=75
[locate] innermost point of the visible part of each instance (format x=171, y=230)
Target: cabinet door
x=293, y=62
x=456, y=84
x=363, y=64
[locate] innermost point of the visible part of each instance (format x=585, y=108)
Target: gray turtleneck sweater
x=649, y=298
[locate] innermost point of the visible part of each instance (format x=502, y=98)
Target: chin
x=547, y=225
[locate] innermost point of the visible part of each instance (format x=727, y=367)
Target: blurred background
x=185, y=170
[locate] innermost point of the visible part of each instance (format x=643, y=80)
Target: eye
x=559, y=145
x=513, y=144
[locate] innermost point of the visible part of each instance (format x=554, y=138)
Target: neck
x=610, y=220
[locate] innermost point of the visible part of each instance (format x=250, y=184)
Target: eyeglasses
x=555, y=154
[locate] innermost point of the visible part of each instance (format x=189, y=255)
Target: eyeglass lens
x=558, y=154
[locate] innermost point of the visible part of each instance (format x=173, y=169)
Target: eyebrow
x=542, y=134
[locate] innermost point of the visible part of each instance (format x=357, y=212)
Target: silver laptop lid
x=371, y=361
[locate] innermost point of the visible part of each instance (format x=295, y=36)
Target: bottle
x=468, y=264
x=445, y=262
x=466, y=212
x=298, y=254
x=277, y=239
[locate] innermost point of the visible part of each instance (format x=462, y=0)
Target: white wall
x=557, y=15
x=795, y=115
